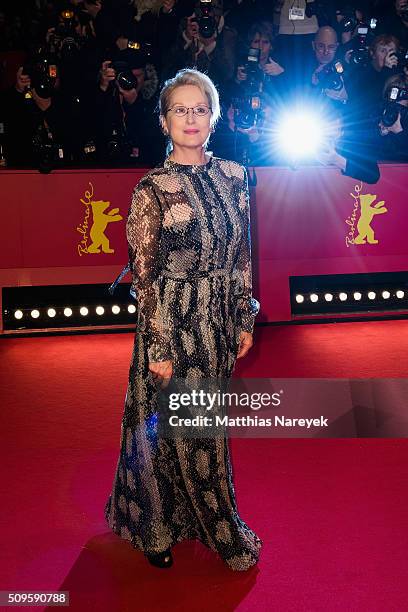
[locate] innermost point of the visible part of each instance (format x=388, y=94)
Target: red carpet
x=333, y=514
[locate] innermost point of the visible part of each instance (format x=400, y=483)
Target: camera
x=65, y=41
x=125, y=78
x=141, y=50
x=391, y=107
x=205, y=18
x=43, y=73
x=252, y=68
x=117, y=145
x=248, y=107
x=402, y=57
x=330, y=77
x=360, y=55
x=247, y=110
x=48, y=153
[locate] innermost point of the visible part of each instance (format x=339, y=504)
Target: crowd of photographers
x=87, y=92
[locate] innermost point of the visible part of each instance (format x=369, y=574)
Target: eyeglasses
x=200, y=111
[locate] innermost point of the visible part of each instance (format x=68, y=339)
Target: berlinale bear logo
x=363, y=204
x=93, y=237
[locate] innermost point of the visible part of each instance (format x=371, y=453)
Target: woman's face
x=380, y=53
x=263, y=43
x=190, y=130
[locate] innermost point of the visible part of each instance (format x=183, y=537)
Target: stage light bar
x=344, y=294
x=63, y=306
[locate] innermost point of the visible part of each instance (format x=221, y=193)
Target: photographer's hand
x=347, y=56
x=42, y=103
x=241, y=74
x=272, y=68
x=337, y=94
x=23, y=81
x=391, y=60
x=191, y=31
x=395, y=128
x=48, y=36
x=106, y=75
x=129, y=95
x=122, y=43
x=315, y=78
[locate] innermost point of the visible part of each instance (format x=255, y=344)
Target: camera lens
x=390, y=114
x=126, y=80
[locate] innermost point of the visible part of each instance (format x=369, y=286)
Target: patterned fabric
x=188, y=231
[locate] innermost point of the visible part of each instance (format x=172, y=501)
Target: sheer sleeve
x=249, y=306
x=143, y=230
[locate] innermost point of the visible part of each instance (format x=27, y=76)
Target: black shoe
x=163, y=559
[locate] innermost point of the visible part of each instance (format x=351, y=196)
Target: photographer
x=125, y=129
x=271, y=72
x=327, y=77
x=32, y=117
x=347, y=20
x=393, y=125
x=366, y=80
x=203, y=42
x=244, y=135
x=71, y=43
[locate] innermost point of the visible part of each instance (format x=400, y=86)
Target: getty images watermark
x=237, y=408
x=296, y=408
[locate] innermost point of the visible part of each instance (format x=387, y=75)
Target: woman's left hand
x=245, y=343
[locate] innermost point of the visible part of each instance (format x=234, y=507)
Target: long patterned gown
x=188, y=231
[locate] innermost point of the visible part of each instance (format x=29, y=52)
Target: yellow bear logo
x=365, y=231
x=100, y=222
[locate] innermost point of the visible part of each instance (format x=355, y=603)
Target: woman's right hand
x=162, y=372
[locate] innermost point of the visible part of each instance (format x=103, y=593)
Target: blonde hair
x=190, y=76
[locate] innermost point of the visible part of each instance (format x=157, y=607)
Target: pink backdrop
x=298, y=227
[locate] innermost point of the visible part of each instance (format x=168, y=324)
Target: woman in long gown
x=190, y=256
